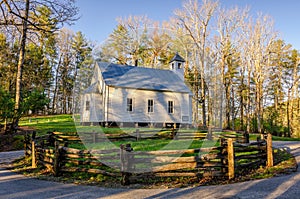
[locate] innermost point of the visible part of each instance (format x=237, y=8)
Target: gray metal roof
x=141, y=78
x=177, y=57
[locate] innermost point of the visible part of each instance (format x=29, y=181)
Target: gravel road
x=14, y=185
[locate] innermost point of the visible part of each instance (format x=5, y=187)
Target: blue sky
x=98, y=17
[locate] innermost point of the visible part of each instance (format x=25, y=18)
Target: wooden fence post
x=223, y=151
x=138, y=135
x=126, y=164
x=174, y=132
x=245, y=137
x=94, y=137
x=209, y=134
x=124, y=178
x=26, y=143
x=33, y=155
x=51, y=138
x=230, y=156
x=33, y=135
x=269, y=151
x=56, y=166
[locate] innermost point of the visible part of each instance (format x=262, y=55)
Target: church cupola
x=177, y=65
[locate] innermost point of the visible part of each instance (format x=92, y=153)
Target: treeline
x=235, y=61
x=48, y=73
x=39, y=59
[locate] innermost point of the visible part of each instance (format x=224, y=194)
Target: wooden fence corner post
x=56, y=166
x=33, y=155
x=125, y=163
x=230, y=156
x=124, y=177
x=269, y=151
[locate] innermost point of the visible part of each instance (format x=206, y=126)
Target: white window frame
x=129, y=104
x=171, y=107
x=87, y=105
x=150, y=107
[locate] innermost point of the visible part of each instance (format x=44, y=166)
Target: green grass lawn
x=150, y=144
x=66, y=124
x=43, y=124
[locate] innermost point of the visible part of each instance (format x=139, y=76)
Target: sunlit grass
x=150, y=144
x=66, y=124
x=44, y=124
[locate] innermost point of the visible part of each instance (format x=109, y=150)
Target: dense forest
x=237, y=66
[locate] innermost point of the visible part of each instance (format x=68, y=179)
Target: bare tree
x=157, y=54
x=260, y=37
x=128, y=42
x=195, y=18
x=292, y=81
x=24, y=29
x=229, y=23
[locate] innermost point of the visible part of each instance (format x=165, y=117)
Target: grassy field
x=43, y=124
x=65, y=124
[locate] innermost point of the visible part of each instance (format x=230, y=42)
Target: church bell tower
x=177, y=65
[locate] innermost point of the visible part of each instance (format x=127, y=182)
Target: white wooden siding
x=95, y=112
x=118, y=106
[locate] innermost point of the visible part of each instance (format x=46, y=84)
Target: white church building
x=129, y=95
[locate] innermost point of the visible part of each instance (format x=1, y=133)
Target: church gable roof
x=141, y=78
x=93, y=88
x=177, y=57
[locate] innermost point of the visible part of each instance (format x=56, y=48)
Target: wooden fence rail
x=138, y=134
x=226, y=160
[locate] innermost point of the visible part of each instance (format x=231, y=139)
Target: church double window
x=129, y=105
x=170, y=107
x=150, y=106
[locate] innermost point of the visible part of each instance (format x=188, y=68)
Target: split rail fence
x=226, y=160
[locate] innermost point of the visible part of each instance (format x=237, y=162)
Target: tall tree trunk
x=196, y=97
x=203, y=100
x=18, y=97
x=248, y=100
x=54, y=105
x=258, y=108
x=292, y=94
x=227, y=94
x=291, y=129
x=203, y=97
x=221, y=111
x=288, y=114
x=232, y=109
x=242, y=110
